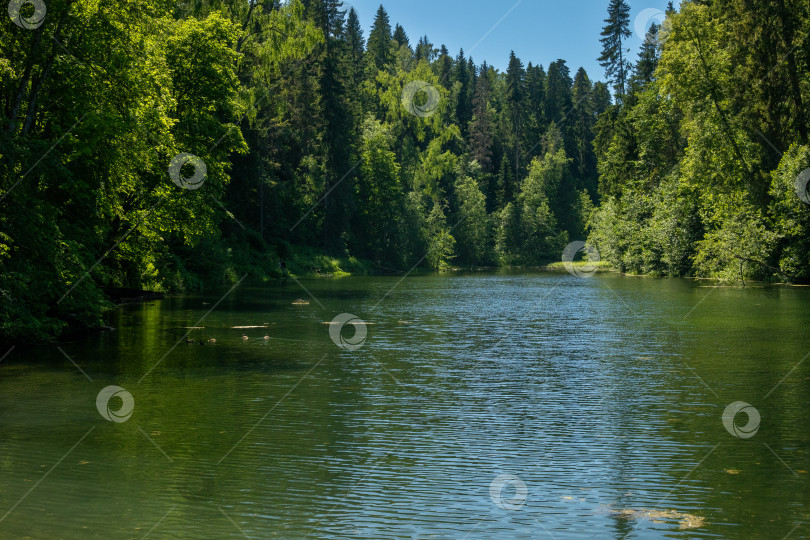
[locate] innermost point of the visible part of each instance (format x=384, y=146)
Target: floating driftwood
x=248, y=327
x=356, y=323
x=301, y=302
x=685, y=521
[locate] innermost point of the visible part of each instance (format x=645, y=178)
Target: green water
x=603, y=396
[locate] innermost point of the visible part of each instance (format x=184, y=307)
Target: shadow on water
x=604, y=397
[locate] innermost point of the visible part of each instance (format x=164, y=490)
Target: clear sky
x=539, y=31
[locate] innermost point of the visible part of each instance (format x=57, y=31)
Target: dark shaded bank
x=37, y=318
x=120, y=295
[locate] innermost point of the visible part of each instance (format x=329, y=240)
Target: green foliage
x=440, y=241
x=790, y=214
x=508, y=235
x=314, y=153
x=690, y=173
x=614, y=54
x=474, y=232
x=739, y=245
x=379, y=196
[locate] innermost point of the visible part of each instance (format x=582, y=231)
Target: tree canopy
x=171, y=147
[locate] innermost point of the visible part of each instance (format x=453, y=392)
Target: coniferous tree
x=463, y=106
x=535, y=106
x=505, y=186
x=614, y=54
x=600, y=98
x=425, y=50
x=473, y=75
x=513, y=114
x=445, y=67
x=339, y=139
x=379, y=41
x=401, y=37
x=356, y=48
x=647, y=60
x=582, y=120
x=558, y=91
x=560, y=102
x=481, y=127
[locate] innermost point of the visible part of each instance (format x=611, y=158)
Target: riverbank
x=299, y=262
x=310, y=262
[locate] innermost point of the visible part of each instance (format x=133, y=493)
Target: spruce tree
x=559, y=101
x=647, y=60
x=600, y=98
x=463, y=108
x=425, y=50
x=379, y=41
x=356, y=47
x=401, y=37
x=481, y=127
x=445, y=66
x=558, y=91
x=514, y=111
x=582, y=120
x=505, y=184
x=473, y=77
x=614, y=55
x=535, y=105
x=339, y=140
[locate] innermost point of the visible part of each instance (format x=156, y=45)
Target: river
x=487, y=405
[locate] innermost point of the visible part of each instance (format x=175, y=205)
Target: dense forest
x=172, y=147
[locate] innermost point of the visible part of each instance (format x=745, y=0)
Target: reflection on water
x=480, y=406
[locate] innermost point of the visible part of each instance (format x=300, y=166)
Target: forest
x=177, y=147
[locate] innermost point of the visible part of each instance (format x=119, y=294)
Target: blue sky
x=539, y=31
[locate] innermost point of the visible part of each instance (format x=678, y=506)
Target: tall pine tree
x=647, y=60
x=614, y=55
x=514, y=113
x=356, y=49
x=535, y=106
x=463, y=106
x=558, y=91
x=425, y=50
x=582, y=120
x=481, y=127
x=445, y=66
x=379, y=41
x=401, y=37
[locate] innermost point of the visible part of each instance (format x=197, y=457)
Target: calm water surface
x=595, y=404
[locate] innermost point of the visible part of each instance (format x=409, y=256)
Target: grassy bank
x=309, y=262
x=599, y=267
